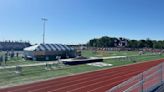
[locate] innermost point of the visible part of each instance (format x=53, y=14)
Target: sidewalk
x=52, y=62
x=28, y=65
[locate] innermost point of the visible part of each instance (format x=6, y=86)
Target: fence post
x=142, y=82
x=161, y=72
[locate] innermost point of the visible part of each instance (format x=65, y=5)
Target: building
x=49, y=52
x=13, y=46
x=121, y=42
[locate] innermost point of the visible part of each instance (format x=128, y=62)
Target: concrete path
x=114, y=57
x=53, y=62
x=28, y=65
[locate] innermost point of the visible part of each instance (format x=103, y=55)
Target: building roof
x=16, y=46
x=49, y=47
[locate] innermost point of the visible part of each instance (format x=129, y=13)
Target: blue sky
x=78, y=21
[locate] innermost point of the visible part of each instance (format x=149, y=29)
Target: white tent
x=49, y=51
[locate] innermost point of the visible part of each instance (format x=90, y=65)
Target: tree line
x=106, y=41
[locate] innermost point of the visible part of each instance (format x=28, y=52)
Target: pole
x=142, y=82
x=161, y=72
x=44, y=28
x=44, y=32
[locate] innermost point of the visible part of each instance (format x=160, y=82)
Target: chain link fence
x=143, y=82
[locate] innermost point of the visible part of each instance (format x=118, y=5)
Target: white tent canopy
x=49, y=47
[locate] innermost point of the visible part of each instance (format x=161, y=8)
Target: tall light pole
x=44, y=27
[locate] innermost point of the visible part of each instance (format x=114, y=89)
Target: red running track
x=97, y=81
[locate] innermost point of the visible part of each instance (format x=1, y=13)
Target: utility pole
x=44, y=27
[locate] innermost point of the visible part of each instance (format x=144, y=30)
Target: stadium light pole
x=44, y=27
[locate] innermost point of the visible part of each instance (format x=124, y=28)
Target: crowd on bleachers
x=13, y=45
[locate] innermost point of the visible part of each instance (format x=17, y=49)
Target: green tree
x=133, y=44
x=106, y=41
x=149, y=43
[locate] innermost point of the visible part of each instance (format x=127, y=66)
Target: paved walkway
x=28, y=65
x=114, y=57
x=52, y=62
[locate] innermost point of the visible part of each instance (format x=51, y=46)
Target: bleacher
x=16, y=46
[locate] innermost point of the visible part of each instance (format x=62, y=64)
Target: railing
x=143, y=82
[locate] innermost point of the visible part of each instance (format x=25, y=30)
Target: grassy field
x=88, y=53
x=30, y=74
x=117, y=62
x=20, y=61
